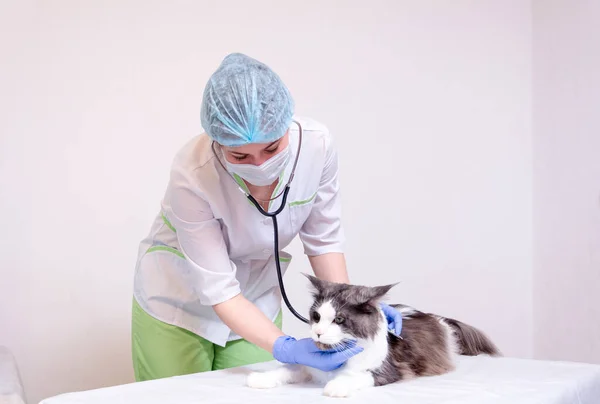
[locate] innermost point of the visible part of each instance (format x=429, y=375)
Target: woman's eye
x=238, y=158
x=271, y=151
x=339, y=320
x=316, y=317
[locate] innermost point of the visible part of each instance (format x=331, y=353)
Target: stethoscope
x=273, y=215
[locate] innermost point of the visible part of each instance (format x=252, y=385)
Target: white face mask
x=264, y=174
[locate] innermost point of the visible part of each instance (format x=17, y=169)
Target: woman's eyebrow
x=267, y=147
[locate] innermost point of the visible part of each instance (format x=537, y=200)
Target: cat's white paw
x=341, y=387
x=260, y=380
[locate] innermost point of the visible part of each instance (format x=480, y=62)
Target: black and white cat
x=342, y=312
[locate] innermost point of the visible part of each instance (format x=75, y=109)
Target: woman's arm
x=322, y=233
x=246, y=320
x=201, y=241
x=330, y=267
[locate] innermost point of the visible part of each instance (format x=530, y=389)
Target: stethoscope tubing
x=273, y=216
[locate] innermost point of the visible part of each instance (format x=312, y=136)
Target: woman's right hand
x=304, y=352
x=246, y=320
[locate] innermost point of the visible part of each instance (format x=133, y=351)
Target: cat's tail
x=471, y=341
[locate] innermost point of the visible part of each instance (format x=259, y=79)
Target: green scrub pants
x=162, y=350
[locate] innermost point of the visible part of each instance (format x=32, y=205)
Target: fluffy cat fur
x=342, y=312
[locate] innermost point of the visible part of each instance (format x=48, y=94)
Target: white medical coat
x=208, y=243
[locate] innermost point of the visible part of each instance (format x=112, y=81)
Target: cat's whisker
x=340, y=347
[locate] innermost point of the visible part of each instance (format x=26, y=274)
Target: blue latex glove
x=304, y=352
x=394, y=318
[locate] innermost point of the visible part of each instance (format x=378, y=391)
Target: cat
x=342, y=312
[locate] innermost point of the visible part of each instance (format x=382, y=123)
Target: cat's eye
x=339, y=320
x=316, y=317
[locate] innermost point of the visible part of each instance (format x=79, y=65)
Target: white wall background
x=430, y=103
x=566, y=137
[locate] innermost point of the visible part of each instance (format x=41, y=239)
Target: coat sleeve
x=322, y=232
x=201, y=240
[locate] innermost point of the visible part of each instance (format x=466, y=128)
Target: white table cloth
x=477, y=380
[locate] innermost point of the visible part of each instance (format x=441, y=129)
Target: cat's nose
x=319, y=335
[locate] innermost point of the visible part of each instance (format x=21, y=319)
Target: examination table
x=477, y=380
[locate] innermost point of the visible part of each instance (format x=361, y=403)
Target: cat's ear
x=317, y=283
x=372, y=295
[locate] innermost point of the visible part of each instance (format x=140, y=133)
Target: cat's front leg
x=287, y=374
x=345, y=384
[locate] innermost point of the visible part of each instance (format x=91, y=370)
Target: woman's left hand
x=394, y=318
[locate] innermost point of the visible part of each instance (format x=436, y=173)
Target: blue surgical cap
x=245, y=102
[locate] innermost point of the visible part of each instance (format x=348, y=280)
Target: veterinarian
x=206, y=293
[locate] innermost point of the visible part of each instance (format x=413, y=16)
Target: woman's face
x=256, y=153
